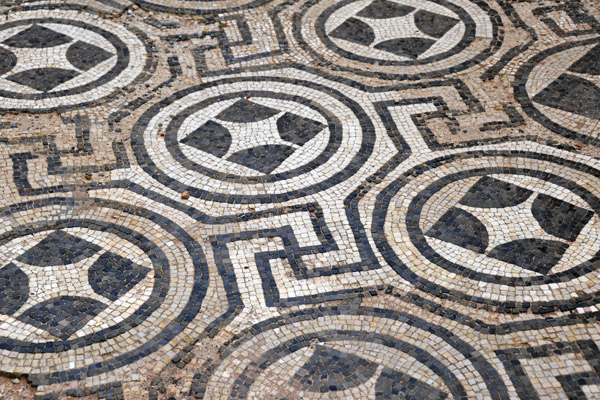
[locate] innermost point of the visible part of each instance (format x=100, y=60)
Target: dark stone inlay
x=354, y=30
x=7, y=60
x=262, y=158
x=434, y=24
x=85, y=56
x=37, y=37
x=296, y=129
x=383, y=67
x=177, y=8
x=122, y=63
x=330, y=370
x=418, y=238
x=112, y=275
x=588, y=64
x=180, y=318
x=395, y=385
x=59, y=248
x=244, y=380
x=572, y=382
x=211, y=137
x=559, y=218
x=152, y=251
x=533, y=254
x=490, y=192
x=462, y=229
x=246, y=111
x=383, y=9
x=572, y=94
x=335, y=130
x=14, y=289
x=62, y=316
x=411, y=47
x=43, y=79
x=548, y=118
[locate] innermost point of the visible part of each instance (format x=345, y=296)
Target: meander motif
x=336, y=199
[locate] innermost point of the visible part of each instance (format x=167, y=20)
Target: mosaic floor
x=300, y=199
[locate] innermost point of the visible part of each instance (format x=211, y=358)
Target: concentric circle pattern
x=199, y=7
x=401, y=39
x=59, y=59
x=289, y=139
x=73, y=283
x=513, y=232
x=299, y=199
x=340, y=353
x=566, y=99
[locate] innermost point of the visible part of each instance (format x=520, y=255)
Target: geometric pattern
x=292, y=131
x=319, y=364
x=365, y=28
x=453, y=226
x=69, y=60
x=491, y=197
x=573, y=385
x=400, y=38
x=254, y=146
x=332, y=199
x=79, y=282
x=573, y=90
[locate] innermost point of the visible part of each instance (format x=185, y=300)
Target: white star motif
x=49, y=282
x=405, y=27
x=510, y=223
x=51, y=57
x=251, y=134
x=394, y=28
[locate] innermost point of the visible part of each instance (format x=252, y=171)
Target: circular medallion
x=560, y=88
x=200, y=7
x=339, y=354
x=289, y=139
x=103, y=282
x=64, y=58
x=508, y=229
x=406, y=39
